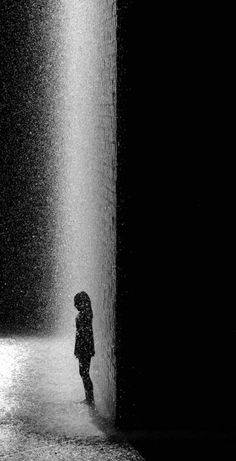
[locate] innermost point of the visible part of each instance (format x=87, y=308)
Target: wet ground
x=42, y=414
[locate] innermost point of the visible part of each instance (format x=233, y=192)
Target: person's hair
x=82, y=296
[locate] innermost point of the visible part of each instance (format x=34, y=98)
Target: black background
x=176, y=346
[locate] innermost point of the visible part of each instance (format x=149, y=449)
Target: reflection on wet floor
x=41, y=387
x=41, y=414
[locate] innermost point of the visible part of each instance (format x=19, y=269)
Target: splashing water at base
x=41, y=414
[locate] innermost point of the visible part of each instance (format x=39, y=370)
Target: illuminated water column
x=76, y=181
x=86, y=183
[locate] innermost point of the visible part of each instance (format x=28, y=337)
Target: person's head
x=82, y=300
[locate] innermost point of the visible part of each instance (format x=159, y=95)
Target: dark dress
x=84, y=349
x=84, y=342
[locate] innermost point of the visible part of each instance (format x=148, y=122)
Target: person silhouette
x=84, y=342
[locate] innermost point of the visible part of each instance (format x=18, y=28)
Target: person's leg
x=84, y=366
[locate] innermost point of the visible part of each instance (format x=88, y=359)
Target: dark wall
x=175, y=347
x=26, y=197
